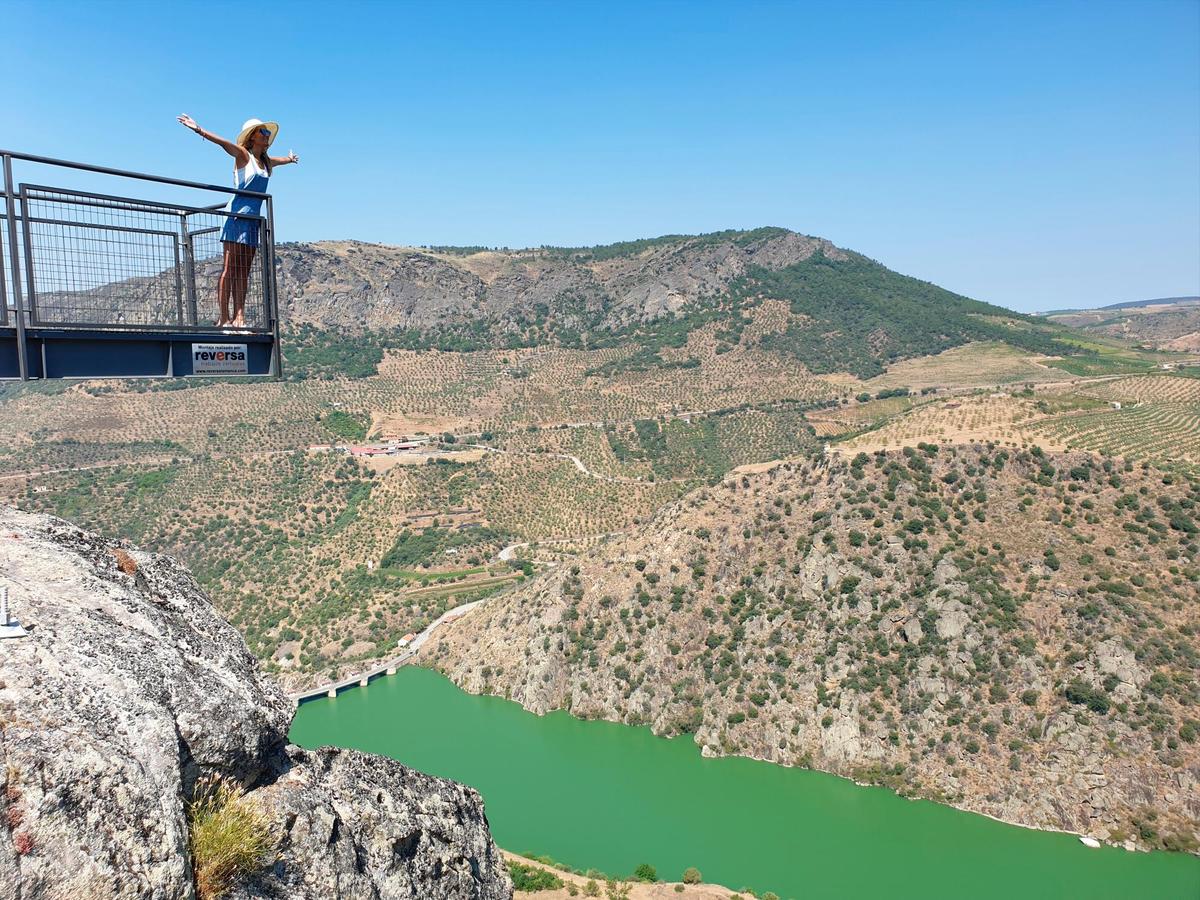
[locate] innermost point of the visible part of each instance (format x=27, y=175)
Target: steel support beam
x=14, y=256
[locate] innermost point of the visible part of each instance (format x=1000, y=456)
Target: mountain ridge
x=845, y=311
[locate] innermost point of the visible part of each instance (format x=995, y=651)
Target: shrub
x=645, y=872
x=230, y=836
x=1079, y=693
x=691, y=875
x=532, y=878
x=1180, y=842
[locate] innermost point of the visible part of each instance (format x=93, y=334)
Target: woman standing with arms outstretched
x=251, y=169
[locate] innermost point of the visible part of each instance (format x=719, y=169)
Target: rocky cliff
x=1007, y=631
x=127, y=689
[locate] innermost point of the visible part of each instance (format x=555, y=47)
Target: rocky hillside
x=128, y=689
x=1006, y=631
x=356, y=285
x=844, y=312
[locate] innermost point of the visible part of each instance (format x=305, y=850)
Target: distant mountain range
x=1164, y=323
x=1127, y=304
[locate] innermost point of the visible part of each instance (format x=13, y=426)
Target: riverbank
x=610, y=796
x=637, y=890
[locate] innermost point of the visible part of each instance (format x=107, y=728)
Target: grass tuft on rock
x=230, y=836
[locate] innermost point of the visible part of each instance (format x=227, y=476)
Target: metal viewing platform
x=98, y=285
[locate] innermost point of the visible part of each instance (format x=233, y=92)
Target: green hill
x=847, y=312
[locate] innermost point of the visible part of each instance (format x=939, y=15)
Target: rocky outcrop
x=129, y=687
x=356, y=825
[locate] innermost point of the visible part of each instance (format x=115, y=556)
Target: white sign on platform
x=219, y=359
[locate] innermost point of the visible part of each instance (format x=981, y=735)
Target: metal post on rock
x=9, y=628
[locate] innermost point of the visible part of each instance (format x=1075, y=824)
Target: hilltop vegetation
x=974, y=624
x=854, y=315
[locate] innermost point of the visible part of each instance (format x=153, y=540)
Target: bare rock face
x=351, y=285
x=356, y=825
x=127, y=688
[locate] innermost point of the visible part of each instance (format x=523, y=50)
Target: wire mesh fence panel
x=101, y=261
x=108, y=261
x=206, y=250
x=8, y=303
x=10, y=272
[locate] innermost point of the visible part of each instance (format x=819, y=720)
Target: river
x=607, y=796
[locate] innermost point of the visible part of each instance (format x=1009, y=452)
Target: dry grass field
x=971, y=365
x=1003, y=419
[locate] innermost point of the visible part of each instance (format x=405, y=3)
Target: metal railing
x=77, y=259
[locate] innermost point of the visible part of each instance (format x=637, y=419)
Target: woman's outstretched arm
x=284, y=160
x=241, y=154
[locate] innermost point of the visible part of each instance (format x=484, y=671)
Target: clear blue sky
x=1031, y=154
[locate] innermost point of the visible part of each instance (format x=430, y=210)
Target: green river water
x=606, y=796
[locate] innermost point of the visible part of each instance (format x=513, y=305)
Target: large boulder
x=356, y=825
x=128, y=687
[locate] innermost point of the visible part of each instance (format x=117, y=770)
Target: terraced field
x=494, y=390
x=293, y=546
x=1000, y=418
x=1148, y=389
x=1151, y=417
x=1168, y=433
x=839, y=420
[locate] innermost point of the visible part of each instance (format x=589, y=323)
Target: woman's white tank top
x=242, y=176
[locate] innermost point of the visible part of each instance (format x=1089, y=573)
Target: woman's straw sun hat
x=251, y=124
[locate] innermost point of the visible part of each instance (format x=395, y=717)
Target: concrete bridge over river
x=387, y=668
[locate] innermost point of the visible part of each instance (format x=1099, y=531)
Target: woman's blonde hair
x=265, y=159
